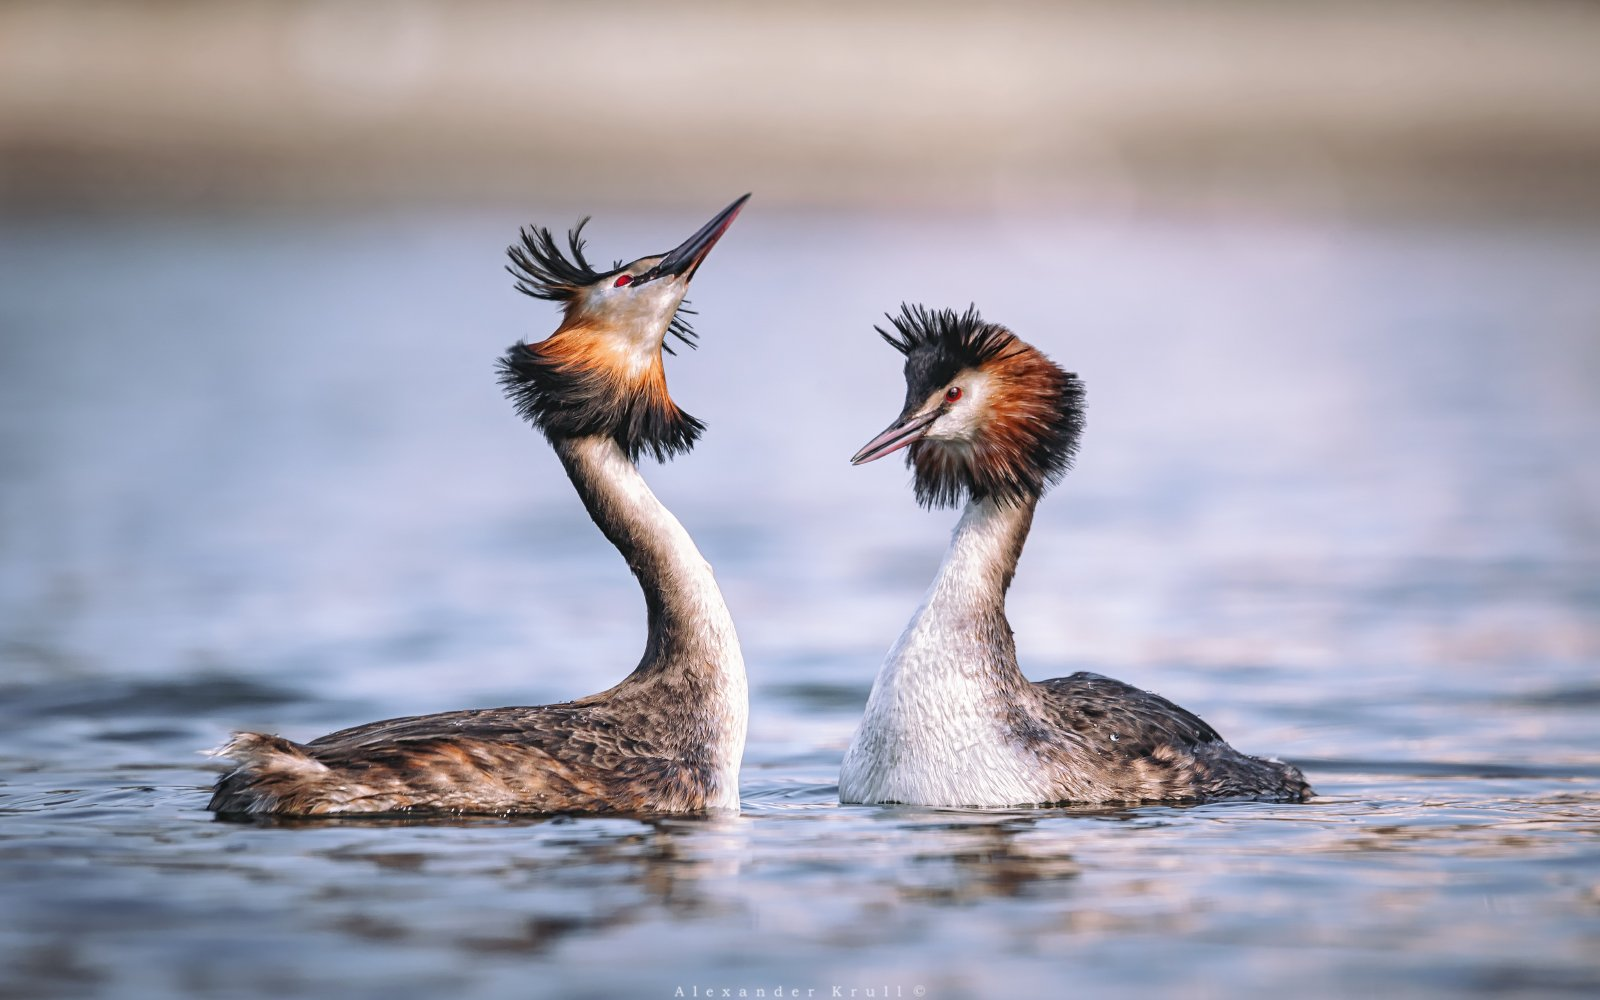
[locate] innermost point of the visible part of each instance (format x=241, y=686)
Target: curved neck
x=984, y=550
x=964, y=611
x=689, y=624
x=943, y=720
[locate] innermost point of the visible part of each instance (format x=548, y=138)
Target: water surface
x=1338, y=495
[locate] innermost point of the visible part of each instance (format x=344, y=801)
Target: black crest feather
x=565, y=400
x=962, y=337
x=1034, y=421
x=544, y=271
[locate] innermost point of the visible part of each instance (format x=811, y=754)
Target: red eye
x=952, y=394
x=623, y=280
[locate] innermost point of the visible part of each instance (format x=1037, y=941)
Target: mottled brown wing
x=555, y=758
x=1099, y=707
x=572, y=732
x=1144, y=748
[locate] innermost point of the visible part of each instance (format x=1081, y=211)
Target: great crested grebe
x=951, y=721
x=670, y=736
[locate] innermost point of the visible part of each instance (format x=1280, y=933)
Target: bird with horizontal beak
x=990, y=423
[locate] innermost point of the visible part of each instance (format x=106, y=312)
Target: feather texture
x=1030, y=435
x=951, y=720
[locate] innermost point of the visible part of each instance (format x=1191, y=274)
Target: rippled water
x=1339, y=495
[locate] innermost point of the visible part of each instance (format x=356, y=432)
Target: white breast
x=933, y=736
x=935, y=730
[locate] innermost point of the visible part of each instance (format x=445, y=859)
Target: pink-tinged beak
x=899, y=434
x=686, y=257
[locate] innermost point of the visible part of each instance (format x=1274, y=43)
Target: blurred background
x=1329, y=272
x=1366, y=107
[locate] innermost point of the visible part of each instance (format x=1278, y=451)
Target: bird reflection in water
x=575, y=877
x=965, y=861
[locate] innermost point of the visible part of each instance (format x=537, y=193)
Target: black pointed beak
x=899, y=434
x=688, y=255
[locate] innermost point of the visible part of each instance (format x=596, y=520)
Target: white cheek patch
x=965, y=418
x=634, y=320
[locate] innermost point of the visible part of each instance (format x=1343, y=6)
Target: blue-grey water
x=1339, y=494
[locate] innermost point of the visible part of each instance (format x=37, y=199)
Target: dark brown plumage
x=951, y=719
x=597, y=755
x=669, y=737
x=1147, y=748
x=1028, y=439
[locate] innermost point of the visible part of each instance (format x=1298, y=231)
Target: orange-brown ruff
x=669, y=737
x=951, y=720
x=583, y=379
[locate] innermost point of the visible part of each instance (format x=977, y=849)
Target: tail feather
x=268, y=765
x=261, y=750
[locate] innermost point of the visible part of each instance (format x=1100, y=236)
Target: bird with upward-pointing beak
x=669, y=737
